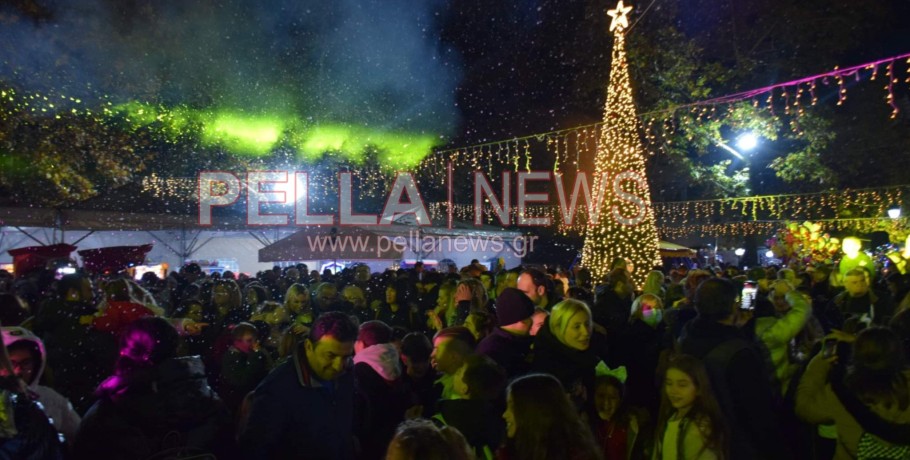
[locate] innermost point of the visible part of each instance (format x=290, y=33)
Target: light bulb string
x=727, y=99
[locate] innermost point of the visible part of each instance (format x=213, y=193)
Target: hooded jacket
x=381, y=398
x=56, y=406
x=382, y=358
x=776, y=332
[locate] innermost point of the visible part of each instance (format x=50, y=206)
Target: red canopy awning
x=29, y=259
x=114, y=258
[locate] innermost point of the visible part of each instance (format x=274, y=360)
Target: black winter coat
x=379, y=408
x=35, y=437
x=173, y=410
x=480, y=422
x=294, y=415
x=509, y=351
x=638, y=348
x=78, y=356
x=571, y=367
x=744, y=383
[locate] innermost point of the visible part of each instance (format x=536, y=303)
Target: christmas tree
x=624, y=228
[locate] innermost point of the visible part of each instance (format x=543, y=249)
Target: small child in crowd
x=690, y=424
x=479, y=382
x=616, y=427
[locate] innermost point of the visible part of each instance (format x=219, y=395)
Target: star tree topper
x=620, y=20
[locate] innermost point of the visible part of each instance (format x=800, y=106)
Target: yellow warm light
x=620, y=19
x=851, y=246
x=620, y=151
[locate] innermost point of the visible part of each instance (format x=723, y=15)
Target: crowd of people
x=523, y=363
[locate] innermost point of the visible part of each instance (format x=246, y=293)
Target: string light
x=890, y=88
x=180, y=125
x=840, y=206
x=659, y=125
x=842, y=90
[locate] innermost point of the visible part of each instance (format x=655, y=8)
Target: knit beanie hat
x=513, y=306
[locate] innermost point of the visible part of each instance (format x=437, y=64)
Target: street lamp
x=745, y=142
x=894, y=212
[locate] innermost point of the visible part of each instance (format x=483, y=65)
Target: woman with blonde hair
x=227, y=302
x=298, y=306
x=562, y=347
x=654, y=284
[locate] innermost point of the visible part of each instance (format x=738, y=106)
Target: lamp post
x=745, y=142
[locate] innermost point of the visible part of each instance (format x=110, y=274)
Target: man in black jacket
x=304, y=408
x=509, y=344
x=738, y=374
x=859, y=303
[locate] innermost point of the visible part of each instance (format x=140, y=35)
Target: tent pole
x=178, y=253
x=6, y=237
x=29, y=235
x=262, y=239
x=184, y=251
x=90, y=232
x=196, y=248
x=58, y=224
x=191, y=247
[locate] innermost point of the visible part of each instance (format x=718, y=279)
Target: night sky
x=378, y=63
x=460, y=71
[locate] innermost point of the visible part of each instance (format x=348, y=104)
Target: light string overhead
x=795, y=96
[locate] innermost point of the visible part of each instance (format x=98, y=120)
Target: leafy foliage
x=680, y=55
x=56, y=160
